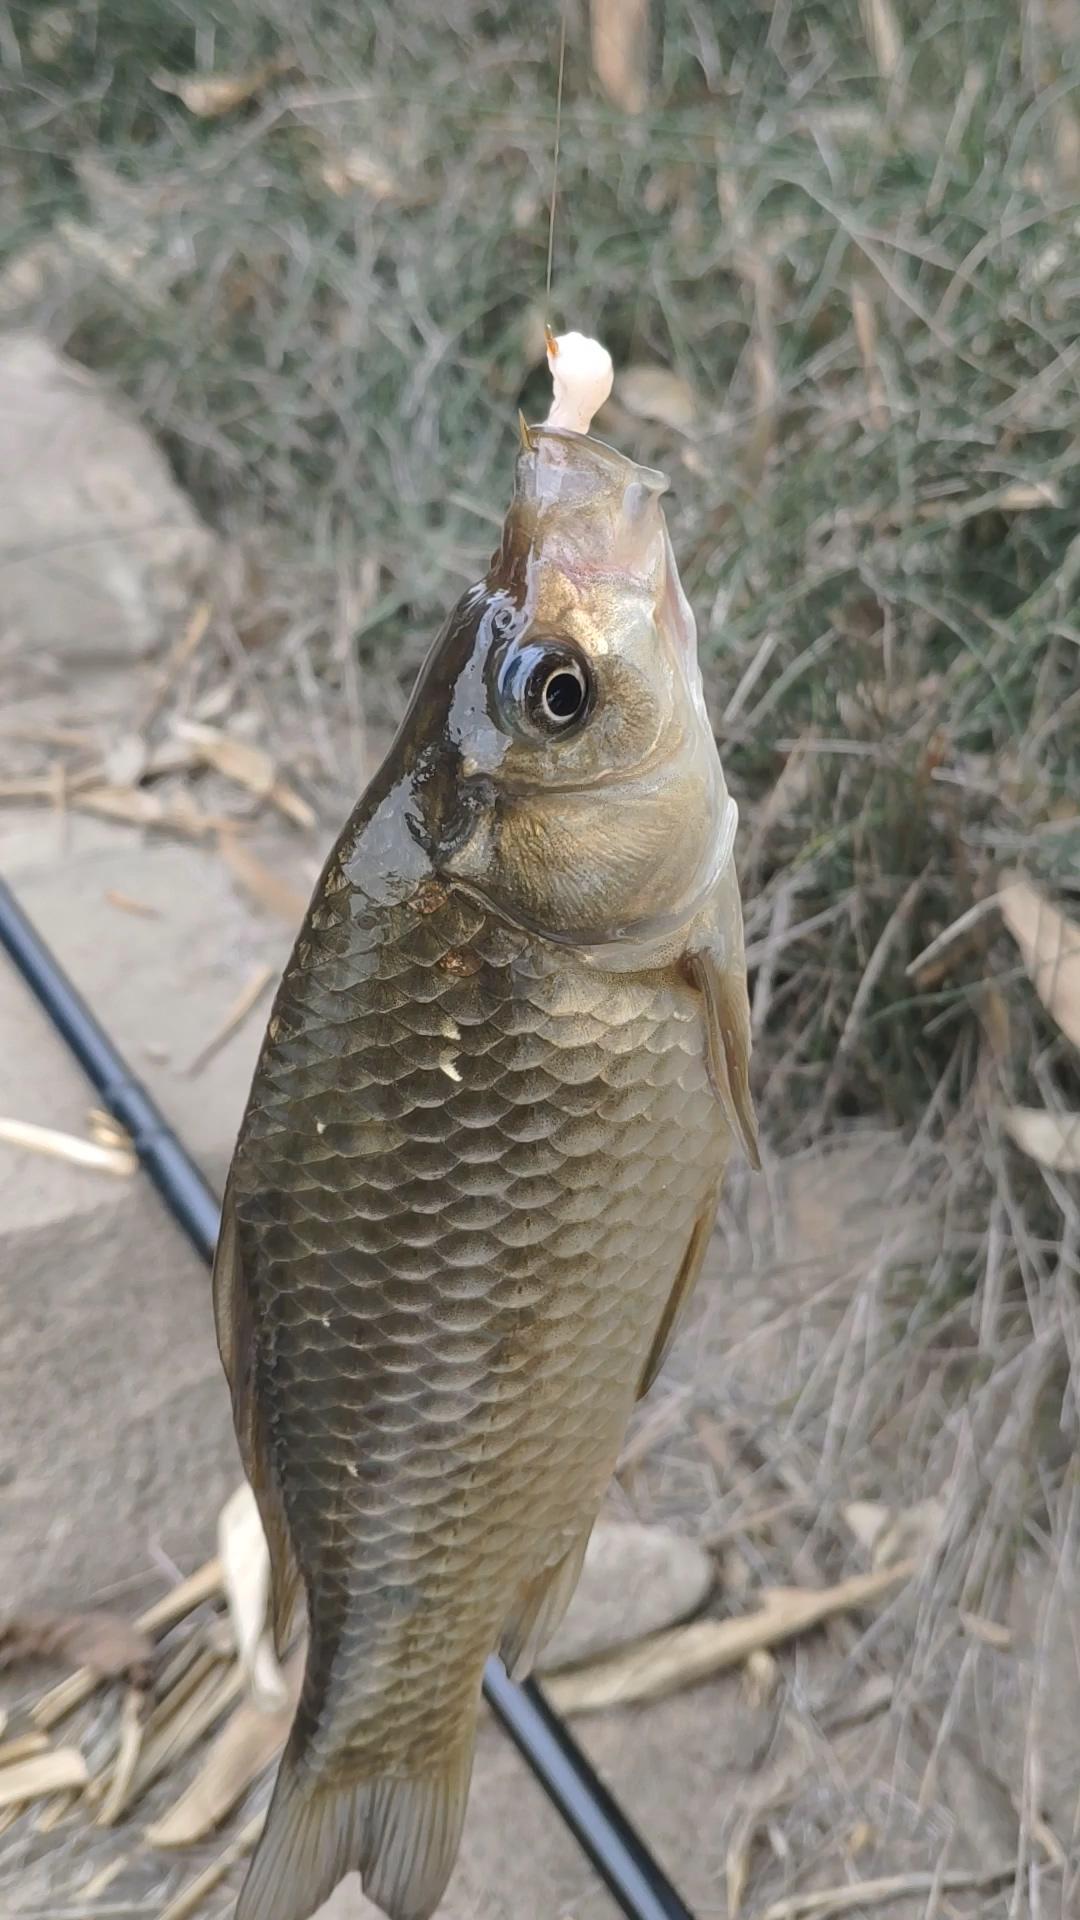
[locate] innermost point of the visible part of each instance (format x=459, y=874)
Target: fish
x=480, y=1163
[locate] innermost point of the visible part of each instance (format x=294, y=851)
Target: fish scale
x=529, y=1328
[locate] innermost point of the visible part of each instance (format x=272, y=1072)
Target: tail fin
x=401, y=1835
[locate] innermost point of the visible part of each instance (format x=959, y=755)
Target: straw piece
x=190, y=1899
x=683, y=1655
x=44, y=1773
x=248, y=997
x=204, y=1584
x=248, y=1743
x=21, y=1747
x=132, y=1729
x=260, y=881
x=164, y=1746
x=67, y=1146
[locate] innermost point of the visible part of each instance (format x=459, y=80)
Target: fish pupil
x=564, y=695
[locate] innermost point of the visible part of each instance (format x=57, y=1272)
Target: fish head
x=574, y=782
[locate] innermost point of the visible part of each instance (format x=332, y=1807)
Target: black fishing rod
x=596, y=1820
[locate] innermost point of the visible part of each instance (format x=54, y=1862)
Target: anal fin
x=540, y=1609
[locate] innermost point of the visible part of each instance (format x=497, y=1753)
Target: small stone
x=101, y=553
x=636, y=1580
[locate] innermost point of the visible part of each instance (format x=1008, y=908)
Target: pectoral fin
x=727, y=1030
x=685, y=1282
x=236, y=1343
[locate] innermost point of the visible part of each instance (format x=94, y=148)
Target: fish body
x=479, y=1165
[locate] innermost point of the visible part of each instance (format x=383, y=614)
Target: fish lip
x=609, y=457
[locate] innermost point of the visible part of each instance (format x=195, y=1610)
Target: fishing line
x=555, y=163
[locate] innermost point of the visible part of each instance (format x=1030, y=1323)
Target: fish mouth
x=582, y=506
x=564, y=459
x=562, y=473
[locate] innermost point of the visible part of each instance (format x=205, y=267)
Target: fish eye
x=546, y=689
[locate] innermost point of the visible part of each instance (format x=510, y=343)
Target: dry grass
x=850, y=231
